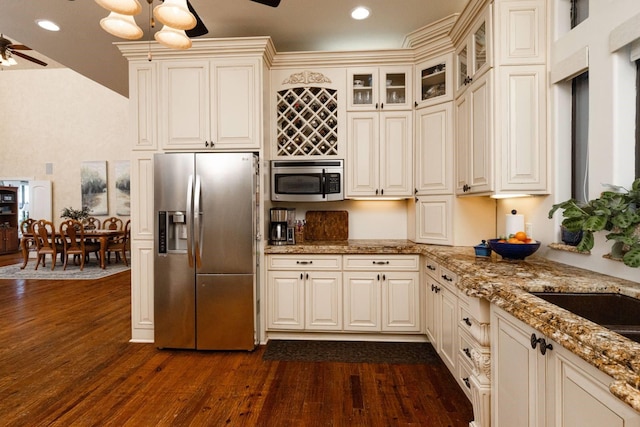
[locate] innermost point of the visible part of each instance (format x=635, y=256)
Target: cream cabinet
x=433, y=79
x=381, y=293
x=379, y=89
x=474, y=143
x=304, y=292
x=434, y=149
x=474, y=52
x=536, y=382
x=211, y=104
x=143, y=105
x=379, y=154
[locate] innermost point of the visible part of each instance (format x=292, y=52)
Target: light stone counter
x=508, y=283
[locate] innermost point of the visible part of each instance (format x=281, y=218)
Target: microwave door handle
x=324, y=184
x=190, y=220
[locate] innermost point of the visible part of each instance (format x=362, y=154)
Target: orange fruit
x=514, y=240
x=521, y=235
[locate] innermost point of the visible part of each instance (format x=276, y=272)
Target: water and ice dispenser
x=172, y=232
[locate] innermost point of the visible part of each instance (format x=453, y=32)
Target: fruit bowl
x=513, y=250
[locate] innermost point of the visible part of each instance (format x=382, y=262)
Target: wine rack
x=307, y=122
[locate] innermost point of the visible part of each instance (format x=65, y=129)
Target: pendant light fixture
x=173, y=38
x=175, y=14
x=123, y=26
x=124, y=7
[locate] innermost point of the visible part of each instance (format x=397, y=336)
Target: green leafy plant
x=616, y=211
x=77, y=214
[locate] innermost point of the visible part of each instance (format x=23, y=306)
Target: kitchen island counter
x=508, y=285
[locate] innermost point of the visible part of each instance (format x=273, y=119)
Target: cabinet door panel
x=462, y=143
x=361, y=301
x=396, y=154
x=434, y=150
x=363, y=154
x=435, y=222
x=449, y=328
x=234, y=105
x=286, y=300
x=185, y=104
x=480, y=139
x=401, y=296
x=323, y=292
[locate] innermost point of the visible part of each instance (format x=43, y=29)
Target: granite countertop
x=508, y=285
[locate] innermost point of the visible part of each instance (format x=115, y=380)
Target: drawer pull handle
x=431, y=267
x=304, y=262
x=467, y=321
x=435, y=289
x=467, y=352
x=447, y=278
x=467, y=382
x=380, y=262
x=543, y=344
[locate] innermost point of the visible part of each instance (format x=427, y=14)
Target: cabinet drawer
x=432, y=268
x=464, y=375
x=478, y=308
x=466, y=344
x=465, y=319
x=381, y=262
x=305, y=262
x=447, y=276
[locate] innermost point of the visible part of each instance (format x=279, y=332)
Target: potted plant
x=77, y=214
x=617, y=211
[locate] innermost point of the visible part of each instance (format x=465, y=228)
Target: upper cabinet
x=500, y=107
x=382, y=89
x=210, y=104
x=433, y=81
x=474, y=53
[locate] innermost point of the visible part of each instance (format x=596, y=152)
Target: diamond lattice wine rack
x=307, y=122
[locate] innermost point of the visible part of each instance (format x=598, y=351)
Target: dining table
x=101, y=235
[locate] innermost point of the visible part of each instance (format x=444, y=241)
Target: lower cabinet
x=313, y=293
x=537, y=382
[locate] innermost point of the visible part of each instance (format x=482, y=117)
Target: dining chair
x=92, y=223
x=112, y=223
x=27, y=239
x=72, y=233
x=119, y=245
x=44, y=233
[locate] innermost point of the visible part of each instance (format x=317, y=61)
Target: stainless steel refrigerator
x=205, y=251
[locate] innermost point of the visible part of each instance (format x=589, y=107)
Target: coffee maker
x=278, y=226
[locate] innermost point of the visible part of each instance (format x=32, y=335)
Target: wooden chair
x=74, y=242
x=92, y=223
x=119, y=245
x=27, y=239
x=44, y=233
x=113, y=223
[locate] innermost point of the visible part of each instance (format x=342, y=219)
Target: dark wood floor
x=65, y=360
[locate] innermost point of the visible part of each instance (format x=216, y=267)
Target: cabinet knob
x=543, y=344
x=415, y=103
x=376, y=105
x=466, y=382
x=467, y=321
x=467, y=352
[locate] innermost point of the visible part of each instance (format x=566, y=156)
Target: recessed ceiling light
x=360, y=13
x=47, y=25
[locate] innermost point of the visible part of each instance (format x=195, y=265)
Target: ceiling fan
x=200, y=29
x=8, y=49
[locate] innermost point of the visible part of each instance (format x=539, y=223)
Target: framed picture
x=93, y=179
x=123, y=187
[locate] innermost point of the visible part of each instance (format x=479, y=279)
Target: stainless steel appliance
x=307, y=180
x=205, y=245
x=278, y=226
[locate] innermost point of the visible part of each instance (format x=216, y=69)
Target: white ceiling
x=296, y=25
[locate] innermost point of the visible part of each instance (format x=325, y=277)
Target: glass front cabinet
x=433, y=81
x=473, y=57
x=385, y=88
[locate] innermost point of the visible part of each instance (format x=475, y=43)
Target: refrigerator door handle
x=196, y=223
x=189, y=219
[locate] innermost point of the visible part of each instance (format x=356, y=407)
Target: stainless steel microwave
x=307, y=180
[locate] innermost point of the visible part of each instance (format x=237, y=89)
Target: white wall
x=611, y=126
x=60, y=117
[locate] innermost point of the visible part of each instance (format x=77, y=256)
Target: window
x=579, y=11
x=580, y=137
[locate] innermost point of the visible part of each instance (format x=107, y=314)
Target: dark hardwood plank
x=65, y=360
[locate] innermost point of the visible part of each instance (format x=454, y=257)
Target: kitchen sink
x=619, y=313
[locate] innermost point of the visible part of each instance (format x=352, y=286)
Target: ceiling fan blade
x=272, y=3
x=200, y=29
x=20, y=47
x=29, y=58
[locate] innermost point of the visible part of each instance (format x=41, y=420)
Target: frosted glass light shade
x=175, y=14
x=123, y=26
x=173, y=38
x=124, y=7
